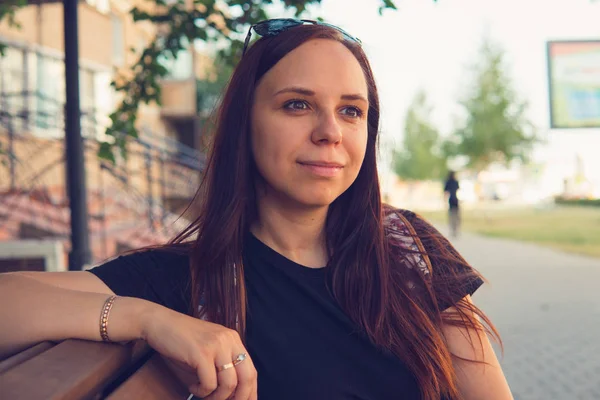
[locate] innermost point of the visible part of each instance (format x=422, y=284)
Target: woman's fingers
x=227, y=378
x=254, y=392
x=182, y=371
x=204, y=347
x=208, y=382
x=237, y=380
x=246, y=374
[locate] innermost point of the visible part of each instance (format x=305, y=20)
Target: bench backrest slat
x=25, y=355
x=153, y=381
x=73, y=369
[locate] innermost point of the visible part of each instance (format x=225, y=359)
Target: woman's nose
x=328, y=129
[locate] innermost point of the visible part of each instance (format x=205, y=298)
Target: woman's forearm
x=33, y=311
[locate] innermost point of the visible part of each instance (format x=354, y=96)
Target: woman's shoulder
x=408, y=228
x=398, y=222
x=159, y=274
x=403, y=238
x=416, y=239
x=158, y=265
x=427, y=251
x=173, y=254
x=152, y=257
x=406, y=221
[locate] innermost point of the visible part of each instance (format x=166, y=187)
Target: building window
x=86, y=90
x=31, y=65
x=11, y=68
x=118, y=44
x=13, y=85
x=32, y=92
x=50, y=96
x=104, y=102
x=87, y=103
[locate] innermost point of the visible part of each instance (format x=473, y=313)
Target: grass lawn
x=571, y=229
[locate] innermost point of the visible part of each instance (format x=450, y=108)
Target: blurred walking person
x=450, y=189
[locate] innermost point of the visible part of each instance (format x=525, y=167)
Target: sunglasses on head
x=273, y=27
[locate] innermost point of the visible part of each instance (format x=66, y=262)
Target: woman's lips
x=322, y=168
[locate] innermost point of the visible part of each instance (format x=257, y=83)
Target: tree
x=420, y=157
x=495, y=127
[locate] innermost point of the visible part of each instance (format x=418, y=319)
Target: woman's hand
x=195, y=349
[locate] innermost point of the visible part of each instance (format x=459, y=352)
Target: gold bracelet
x=104, y=318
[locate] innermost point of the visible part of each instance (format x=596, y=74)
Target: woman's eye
x=353, y=112
x=296, y=105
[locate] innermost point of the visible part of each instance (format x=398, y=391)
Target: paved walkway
x=546, y=305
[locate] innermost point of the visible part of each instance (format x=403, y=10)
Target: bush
x=577, y=202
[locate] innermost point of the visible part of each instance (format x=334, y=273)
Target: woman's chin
x=302, y=197
x=317, y=200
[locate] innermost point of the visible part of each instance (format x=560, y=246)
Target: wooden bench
x=78, y=369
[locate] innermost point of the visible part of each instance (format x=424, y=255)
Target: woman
x=294, y=282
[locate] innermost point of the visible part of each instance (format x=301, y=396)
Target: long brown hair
x=367, y=271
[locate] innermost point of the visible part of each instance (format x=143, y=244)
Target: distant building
x=131, y=204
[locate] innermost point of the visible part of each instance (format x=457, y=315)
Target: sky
x=429, y=45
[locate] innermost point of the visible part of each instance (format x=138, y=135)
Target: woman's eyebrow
x=354, y=97
x=308, y=92
x=296, y=89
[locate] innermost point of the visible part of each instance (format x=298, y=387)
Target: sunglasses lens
x=275, y=26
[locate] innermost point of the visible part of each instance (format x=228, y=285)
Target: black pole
x=149, y=182
x=80, y=251
x=26, y=93
x=103, y=202
x=163, y=195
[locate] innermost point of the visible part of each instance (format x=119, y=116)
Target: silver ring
x=240, y=357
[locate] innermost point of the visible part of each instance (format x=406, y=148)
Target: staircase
x=132, y=204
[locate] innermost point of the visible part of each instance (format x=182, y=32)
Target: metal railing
x=159, y=172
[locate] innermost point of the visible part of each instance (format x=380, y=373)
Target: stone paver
x=546, y=305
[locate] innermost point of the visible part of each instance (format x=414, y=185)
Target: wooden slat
x=25, y=355
x=153, y=381
x=73, y=369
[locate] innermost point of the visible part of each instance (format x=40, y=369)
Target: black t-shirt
x=302, y=344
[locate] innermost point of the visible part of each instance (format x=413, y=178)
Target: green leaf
x=390, y=4
x=387, y=4
x=105, y=152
